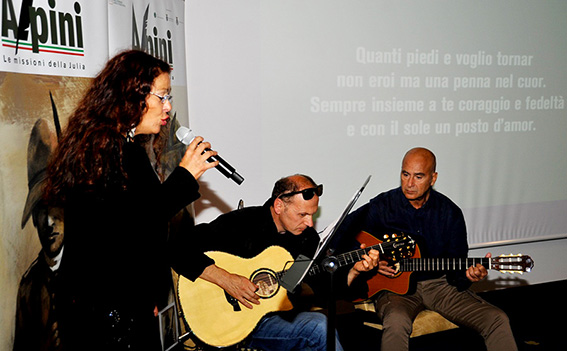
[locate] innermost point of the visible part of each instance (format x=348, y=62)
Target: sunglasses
x=306, y=193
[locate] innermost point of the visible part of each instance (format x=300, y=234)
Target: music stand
x=295, y=274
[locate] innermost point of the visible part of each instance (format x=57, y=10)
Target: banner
x=158, y=28
x=49, y=52
x=53, y=37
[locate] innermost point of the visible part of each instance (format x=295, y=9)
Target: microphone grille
x=185, y=135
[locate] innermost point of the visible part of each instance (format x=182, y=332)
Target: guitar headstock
x=398, y=246
x=512, y=263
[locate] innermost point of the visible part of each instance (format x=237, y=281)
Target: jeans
x=305, y=331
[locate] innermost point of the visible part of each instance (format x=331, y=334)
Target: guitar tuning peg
x=386, y=236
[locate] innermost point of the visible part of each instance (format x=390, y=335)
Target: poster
x=50, y=50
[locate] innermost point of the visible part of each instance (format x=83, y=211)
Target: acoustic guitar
x=401, y=282
x=218, y=319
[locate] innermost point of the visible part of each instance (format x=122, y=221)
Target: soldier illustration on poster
x=36, y=311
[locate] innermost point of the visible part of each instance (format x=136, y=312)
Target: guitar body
x=220, y=320
x=399, y=284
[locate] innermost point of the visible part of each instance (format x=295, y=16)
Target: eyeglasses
x=164, y=98
x=306, y=193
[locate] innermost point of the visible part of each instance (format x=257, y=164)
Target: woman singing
x=115, y=273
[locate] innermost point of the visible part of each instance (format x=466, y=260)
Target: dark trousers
x=463, y=308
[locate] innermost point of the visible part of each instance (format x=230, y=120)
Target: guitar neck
x=442, y=264
x=347, y=258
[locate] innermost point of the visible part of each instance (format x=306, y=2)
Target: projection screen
x=340, y=90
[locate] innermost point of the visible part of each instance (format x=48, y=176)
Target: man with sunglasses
x=286, y=220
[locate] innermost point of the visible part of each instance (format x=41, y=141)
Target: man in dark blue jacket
x=438, y=226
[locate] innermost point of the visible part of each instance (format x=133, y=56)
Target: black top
x=438, y=227
x=116, y=241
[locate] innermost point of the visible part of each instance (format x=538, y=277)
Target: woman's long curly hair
x=89, y=152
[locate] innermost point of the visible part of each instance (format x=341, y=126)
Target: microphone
x=185, y=135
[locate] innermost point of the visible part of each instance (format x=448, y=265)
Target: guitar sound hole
x=267, y=281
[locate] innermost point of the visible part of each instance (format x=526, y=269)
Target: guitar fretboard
x=342, y=260
x=397, y=247
x=348, y=258
x=441, y=264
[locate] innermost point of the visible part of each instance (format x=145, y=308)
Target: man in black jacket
x=285, y=220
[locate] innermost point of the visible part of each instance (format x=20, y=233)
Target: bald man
x=438, y=226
